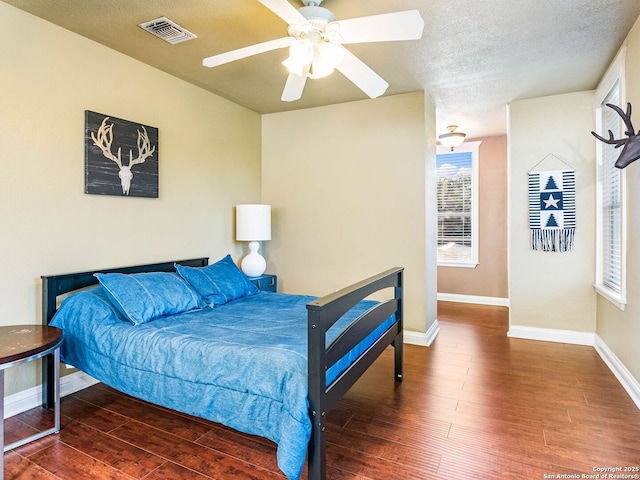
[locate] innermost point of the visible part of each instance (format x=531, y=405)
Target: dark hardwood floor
x=475, y=404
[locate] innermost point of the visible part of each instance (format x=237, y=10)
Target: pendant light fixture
x=453, y=138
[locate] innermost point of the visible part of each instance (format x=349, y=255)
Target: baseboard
x=432, y=332
x=624, y=376
x=32, y=397
x=551, y=335
x=454, y=297
x=422, y=339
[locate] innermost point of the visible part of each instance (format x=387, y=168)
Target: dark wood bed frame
x=322, y=314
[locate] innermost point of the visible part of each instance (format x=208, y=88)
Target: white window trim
x=615, y=73
x=474, y=148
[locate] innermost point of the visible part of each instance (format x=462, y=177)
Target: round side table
x=23, y=343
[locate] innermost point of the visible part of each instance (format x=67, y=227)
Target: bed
x=264, y=363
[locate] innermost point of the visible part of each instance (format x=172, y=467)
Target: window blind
x=611, y=206
x=455, y=214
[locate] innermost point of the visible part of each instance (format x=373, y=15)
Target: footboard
x=322, y=314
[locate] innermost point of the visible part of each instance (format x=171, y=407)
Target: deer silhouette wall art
x=630, y=145
x=100, y=176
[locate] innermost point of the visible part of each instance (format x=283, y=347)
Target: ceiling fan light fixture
x=332, y=32
x=453, y=138
x=300, y=54
x=331, y=53
x=320, y=69
x=326, y=58
x=294, y=66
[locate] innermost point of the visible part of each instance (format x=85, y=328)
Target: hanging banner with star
x=552, y=210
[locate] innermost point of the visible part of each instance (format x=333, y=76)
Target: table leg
x=56, y=399
x=56, y=389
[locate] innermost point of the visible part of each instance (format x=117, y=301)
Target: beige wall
x=489, y=278
x=431, y=226
x=347, y=187
x=549, y=289
x=209, y=160
x=620, y=330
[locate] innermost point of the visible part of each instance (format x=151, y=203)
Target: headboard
x=54, y=285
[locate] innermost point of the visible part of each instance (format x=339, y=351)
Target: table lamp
x=253, y=225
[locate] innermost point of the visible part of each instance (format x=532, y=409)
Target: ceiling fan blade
x=295, y=85
x=387, y=27
x=361, y=75
x=244, y=52
x=285, y=11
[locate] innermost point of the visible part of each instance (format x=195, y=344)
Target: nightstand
x=23, y=343
x=265, y=282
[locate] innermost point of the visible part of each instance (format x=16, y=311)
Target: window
x=457, y=193
x=610, y=190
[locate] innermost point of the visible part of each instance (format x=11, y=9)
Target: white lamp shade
x=300, y=54
x=253, y=222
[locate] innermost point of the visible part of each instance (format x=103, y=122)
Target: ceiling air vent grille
x=167, y=30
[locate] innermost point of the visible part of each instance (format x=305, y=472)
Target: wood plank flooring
x=475, y=404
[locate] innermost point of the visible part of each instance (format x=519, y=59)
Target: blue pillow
x=143, y=297
x=218, y=283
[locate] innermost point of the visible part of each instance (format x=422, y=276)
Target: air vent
x=167, y=30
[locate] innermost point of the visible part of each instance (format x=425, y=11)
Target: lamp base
x=254, y=264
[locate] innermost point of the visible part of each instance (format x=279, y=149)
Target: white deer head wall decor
x=100, y=177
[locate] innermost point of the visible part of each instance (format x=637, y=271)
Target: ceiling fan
x=316, y=42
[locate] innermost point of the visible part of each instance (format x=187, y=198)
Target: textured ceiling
x=474, y=57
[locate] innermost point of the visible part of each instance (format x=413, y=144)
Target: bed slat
x=341, y=301
x=345, y=381
x=359, y=329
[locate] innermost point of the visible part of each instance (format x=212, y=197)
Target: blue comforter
x=242, y=364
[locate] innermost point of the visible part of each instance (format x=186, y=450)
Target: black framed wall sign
x=121, y=157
